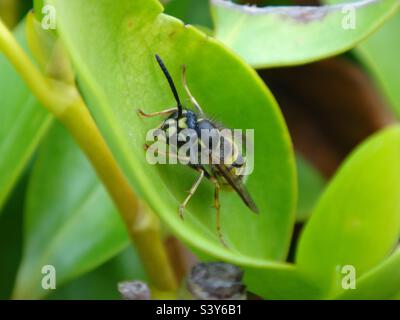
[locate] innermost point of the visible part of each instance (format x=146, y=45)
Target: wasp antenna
x=171, y=84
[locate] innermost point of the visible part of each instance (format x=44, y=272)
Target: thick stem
x=66, y=104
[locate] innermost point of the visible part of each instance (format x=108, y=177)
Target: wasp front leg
x=158, y=113
x=191, y=192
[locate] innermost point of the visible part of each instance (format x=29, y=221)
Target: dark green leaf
x=196, y=12
x=310, y=186
x=23, y=123
x=101, y=283
x=11, y=237
x=70, y=222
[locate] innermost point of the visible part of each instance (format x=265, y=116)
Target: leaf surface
x=118, y=74
x=285, y=36
x=70, y=222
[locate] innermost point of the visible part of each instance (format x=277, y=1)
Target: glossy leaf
x=357, y=219
x=119, y=74
x=380, y=54
x=70, y=222
x=283, y=282
x=382, y=282
x=23, y=123
x=284, y=36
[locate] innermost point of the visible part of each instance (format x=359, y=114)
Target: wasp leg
x=199, y=167
x=218, y=216
x=191, y=192
x=192, y=99
x=155, y=114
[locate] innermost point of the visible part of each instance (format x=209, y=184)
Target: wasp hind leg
x=218, y=215
x=155, y=114
x=191, y=192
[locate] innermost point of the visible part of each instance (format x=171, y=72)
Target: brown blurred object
x=295, y=2
x=214, y=281
x=329, y=106
x=182, y=259
x=134, y=290
x=307, y=2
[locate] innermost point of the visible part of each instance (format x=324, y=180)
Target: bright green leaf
x=283, y=282
x=380, y=53
x=267, y=37
x=357, y=219
x=382, y=282
x=70, y=222
x=118, y=74
x=23, y=123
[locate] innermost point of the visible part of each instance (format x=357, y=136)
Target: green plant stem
x=66, y=104
x=143, y=227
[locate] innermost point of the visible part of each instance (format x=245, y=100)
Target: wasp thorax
x=180, y=129
x=202, y=141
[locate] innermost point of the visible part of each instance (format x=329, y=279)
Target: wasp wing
x=237, y=184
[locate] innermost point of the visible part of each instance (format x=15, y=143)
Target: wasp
x=222, y=173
